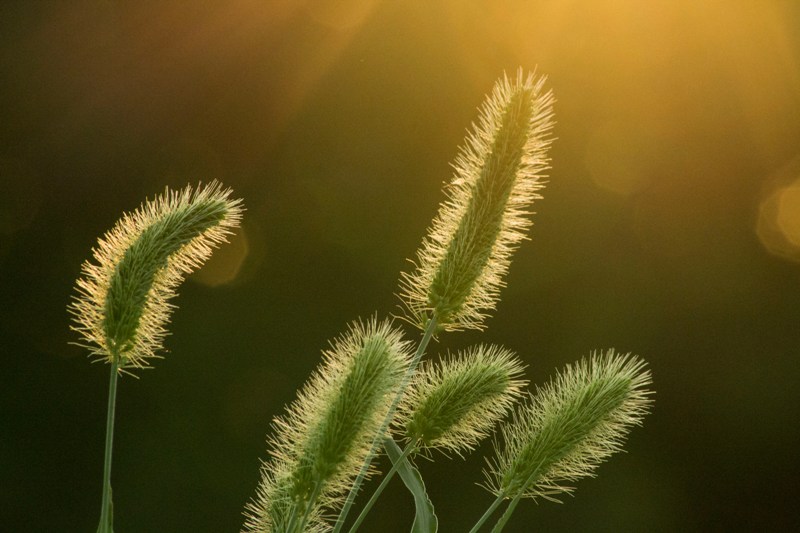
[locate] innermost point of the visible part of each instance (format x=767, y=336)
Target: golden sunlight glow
x=341, y=14
x=618, y=158
x=669, y=68
x=778, y=225
x=788, y=219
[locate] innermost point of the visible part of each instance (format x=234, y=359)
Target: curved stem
x=376, y=442
x=495, y=504
x=409, y=449
x=106, y=510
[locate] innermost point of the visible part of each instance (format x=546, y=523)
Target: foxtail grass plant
x=122, y=306
x=557, y=436
x=462, y=261
x=372, y=388
x=567, y=429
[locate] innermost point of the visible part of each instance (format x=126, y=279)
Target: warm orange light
x=619, y=157
x=788, y=216
x=778, y=225
x=342, y=14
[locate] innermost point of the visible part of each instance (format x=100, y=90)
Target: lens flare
x=778, y=225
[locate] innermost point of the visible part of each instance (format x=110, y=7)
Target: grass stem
x=409, y=449
x=292, y=519
x=106, y=510
x=376, y=442
x=489, y=512
x=507, y=514
x=311, y=502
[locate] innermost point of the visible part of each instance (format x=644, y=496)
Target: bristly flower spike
x=570, y=426
x=122, y=304
x=461, y=264
x=453, y=404
x=318, y=446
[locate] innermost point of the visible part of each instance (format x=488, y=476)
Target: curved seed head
x=122, y=304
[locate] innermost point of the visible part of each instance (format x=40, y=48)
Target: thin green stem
x=292, y=519
x=409, y=449
x=106, y=510
x=506, y=515
x=511, y=506
x=309, y=506
x=489, y=512
x=376, y=442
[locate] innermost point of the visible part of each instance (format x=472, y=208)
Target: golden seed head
x=461, y=264
x=122, y=307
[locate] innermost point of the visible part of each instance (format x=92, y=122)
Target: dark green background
x=336, y=121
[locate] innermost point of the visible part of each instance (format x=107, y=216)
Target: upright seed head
x=122, y=304
x=322, y=440
x=454, y=404
x=570, y=426
x=462, y=261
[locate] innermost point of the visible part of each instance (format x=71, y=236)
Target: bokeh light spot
x=226, y=262
x=778, y=225
x=788, y=216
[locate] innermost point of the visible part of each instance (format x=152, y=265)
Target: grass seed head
x=571, y=425
x=326, y=433
x=122, y=307
x=453, y=404
x=463, y=259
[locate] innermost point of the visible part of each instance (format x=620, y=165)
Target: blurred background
x=670, y=228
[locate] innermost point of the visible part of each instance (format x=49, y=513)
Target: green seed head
x=462, y=261
x=455, y=403
x=122, y=306
x=571, y=425
x=322, y=440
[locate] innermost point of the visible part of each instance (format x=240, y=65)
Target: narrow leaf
x=425, y=520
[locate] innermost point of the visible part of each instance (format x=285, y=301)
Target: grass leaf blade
x=425, y=520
